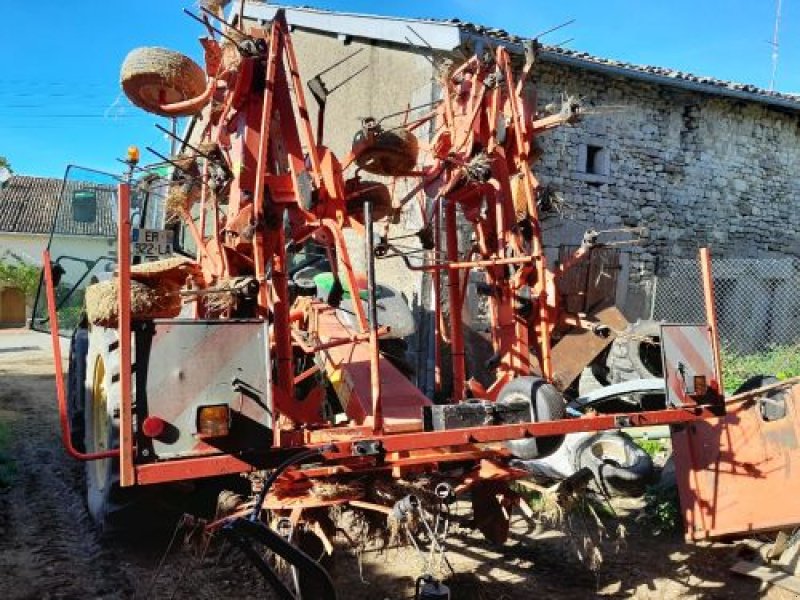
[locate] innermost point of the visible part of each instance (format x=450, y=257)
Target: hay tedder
x=229, y=332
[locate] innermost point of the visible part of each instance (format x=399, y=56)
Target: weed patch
x=781, y=361
x=663, y=509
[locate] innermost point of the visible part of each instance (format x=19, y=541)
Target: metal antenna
x=775, y=45
x=217, y=17
x=175, y=137
x=552, y=29
x=165, y=159
x=320, y=90
x=204, y=21
x=563, y=43
x=126, y=163
x=337, y=63
x=424, y=41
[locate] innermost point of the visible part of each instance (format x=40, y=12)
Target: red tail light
x=153, y=427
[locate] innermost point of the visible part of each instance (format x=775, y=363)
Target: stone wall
x=693, y=169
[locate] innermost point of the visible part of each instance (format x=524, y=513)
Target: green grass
x=662, y=509
x=8, y=469
x=780, y=361
x=19, y=273
x=653, y=447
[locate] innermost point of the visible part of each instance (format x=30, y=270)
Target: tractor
x=227, y=332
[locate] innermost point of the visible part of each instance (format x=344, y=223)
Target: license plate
x=151, y=244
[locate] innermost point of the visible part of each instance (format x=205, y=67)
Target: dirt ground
x=48, y=548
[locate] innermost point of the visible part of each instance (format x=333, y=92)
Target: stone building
x=694, y=160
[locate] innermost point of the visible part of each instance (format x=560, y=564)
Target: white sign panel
x=687, y=354
x=151, y=244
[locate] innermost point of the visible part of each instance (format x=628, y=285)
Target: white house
x=78, y=215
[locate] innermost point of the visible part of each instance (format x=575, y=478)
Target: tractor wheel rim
x=100, y=424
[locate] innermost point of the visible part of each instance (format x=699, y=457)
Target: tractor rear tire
x=636, y=353
x=151, y=77
x=620, y=466
x=547, y=404
x=755, y=382
x=76, y=390
x=107, y=502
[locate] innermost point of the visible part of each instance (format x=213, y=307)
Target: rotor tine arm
x=309, y=569
x=237, y=538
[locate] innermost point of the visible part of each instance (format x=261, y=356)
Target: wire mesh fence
x=757, y=300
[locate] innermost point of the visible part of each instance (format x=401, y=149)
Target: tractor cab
x=87, y=204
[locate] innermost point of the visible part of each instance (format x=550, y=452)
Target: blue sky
x=60, y=101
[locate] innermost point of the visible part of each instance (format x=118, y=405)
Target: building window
x=594, y=163
x=594, y=160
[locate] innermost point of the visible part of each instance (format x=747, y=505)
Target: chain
x=409, y=510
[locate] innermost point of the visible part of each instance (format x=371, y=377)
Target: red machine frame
x=471, y=109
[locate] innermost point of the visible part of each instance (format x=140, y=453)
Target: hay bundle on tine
x=161, y=300
x=231, y=57
x=184, y=191
x=175, y=269
x=177, y=203
x=214, y=6
x=332, y=490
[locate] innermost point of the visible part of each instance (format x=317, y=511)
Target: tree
x=16, y=271
x=4, y=179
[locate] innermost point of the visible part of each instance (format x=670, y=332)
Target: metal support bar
x=335, y=342
x=372, y=300
x=455, y=304
x=711, y=313
x=127, y=476
x=405, y=442
x=61, y=395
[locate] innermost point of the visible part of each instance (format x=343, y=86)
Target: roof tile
x=32, y=205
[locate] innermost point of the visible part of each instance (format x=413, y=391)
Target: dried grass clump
x=333, y=490
x=179, y=201
x=175, y=269
x=208, y=148
x=223, y=298
x=231, y=57
x=371, y=528
x=445, y=67
x=479, y=168
x=184, y=191
x=217, y=302
x=554, y=508
x=518, y=196
x=421, y=486
x=215, y=6
x=161, y=300
x=572, y=509
x=187, y=164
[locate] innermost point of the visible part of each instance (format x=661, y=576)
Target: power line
x=74, y=116
x=23, y=110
